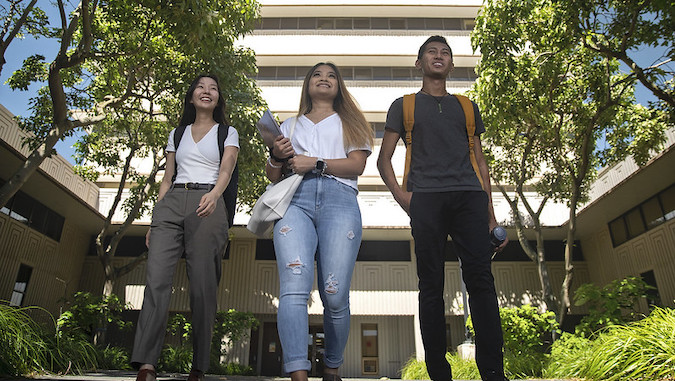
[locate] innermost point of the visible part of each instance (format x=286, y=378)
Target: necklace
x=438, y=99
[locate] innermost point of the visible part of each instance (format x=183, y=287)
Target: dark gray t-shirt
x=440, y=147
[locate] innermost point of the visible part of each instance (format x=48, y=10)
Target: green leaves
x=642, y=350
x=615, y=303
x=34, y=69
x=619, y=29
x=88, y=312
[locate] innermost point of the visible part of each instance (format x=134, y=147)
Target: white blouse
x=200, y=162
x=323, y=139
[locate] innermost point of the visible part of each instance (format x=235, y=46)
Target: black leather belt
x=194, y=186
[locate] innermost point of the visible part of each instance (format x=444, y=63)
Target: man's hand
x=403, y=198
x=493, y=224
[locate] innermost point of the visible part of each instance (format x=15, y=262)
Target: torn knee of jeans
x=285, y=230
x=350, y=234
x=331, y=284
x=295, y=265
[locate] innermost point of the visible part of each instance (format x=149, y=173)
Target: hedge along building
x=375, y=44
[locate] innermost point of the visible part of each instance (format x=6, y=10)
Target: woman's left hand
x=302, y=164
x=207, y=204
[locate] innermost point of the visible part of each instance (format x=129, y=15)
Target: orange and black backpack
x=409, y=122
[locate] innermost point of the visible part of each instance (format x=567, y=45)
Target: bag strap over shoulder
x=467, y=106
x=177, y=136
x=409, y=122
x=230, y=193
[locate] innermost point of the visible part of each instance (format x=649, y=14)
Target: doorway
x=316, y=349
x=271, y=351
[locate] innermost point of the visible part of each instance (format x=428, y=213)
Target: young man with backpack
x=447, y=191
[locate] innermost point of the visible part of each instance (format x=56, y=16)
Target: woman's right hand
x=282, y=147
x=147, y=239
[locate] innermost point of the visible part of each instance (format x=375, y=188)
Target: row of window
x=31, y=212
x=648, y=215
x=359, y=73
x=364, y=23
x=399, y=251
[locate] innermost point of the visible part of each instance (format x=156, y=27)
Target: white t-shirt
x=323, y=140
x=200, y=162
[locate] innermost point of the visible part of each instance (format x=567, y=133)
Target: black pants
x=464, y=216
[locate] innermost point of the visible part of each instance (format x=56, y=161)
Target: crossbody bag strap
x=467, y=106
x=408, y=123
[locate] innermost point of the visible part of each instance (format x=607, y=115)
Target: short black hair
x=440, y=39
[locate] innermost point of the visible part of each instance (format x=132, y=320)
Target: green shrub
x=525, y=331
x=615, y=303
x=519, y=366
x=230, y=324
x=232, y=369
x=175, y=359
x=22, y=345
x=72, y=354
x=642, y=350
x=568, y=356
x=114, y=358
x=461, y=369
x=27, y=347
x=88, y=313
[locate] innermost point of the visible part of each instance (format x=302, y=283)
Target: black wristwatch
x=278, y=160
x=320, y=167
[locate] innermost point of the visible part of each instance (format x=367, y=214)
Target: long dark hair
x=189, y=111
x=356, y=129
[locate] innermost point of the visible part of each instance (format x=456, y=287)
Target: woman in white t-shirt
x=190, y=217
x=330, y=142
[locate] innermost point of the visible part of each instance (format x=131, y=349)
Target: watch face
x=320, y=164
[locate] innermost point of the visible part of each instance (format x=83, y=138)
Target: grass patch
x=640, y=351
x=28, y=347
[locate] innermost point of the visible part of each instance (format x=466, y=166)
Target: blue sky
x=17, y=101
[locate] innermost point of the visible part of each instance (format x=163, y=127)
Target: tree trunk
x=565, y=302
x=544, y=278
x=538, y=255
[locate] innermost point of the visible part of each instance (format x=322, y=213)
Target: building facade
x=45, y=229
x=375, y=45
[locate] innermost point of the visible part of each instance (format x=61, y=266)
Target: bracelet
x=269, y=161
x=278, y=160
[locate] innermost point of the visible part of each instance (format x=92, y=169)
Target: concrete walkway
x=131, y=376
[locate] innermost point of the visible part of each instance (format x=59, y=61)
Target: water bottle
x=497, y=236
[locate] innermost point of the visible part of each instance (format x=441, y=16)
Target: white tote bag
x=272, y=204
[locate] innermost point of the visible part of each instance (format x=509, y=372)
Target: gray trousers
x=176, y=228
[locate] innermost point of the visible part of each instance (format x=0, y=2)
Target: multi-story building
x=375, y=45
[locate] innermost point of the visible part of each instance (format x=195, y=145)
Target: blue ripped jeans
x=323, y=222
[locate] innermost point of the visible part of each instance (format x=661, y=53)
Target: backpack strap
x=467, y=106
x=408, y=123
x=230, y=193
x=177, y=136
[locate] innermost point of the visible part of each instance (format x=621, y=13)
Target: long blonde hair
x=356, y=130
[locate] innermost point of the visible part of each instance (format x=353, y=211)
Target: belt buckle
x=186, y=186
